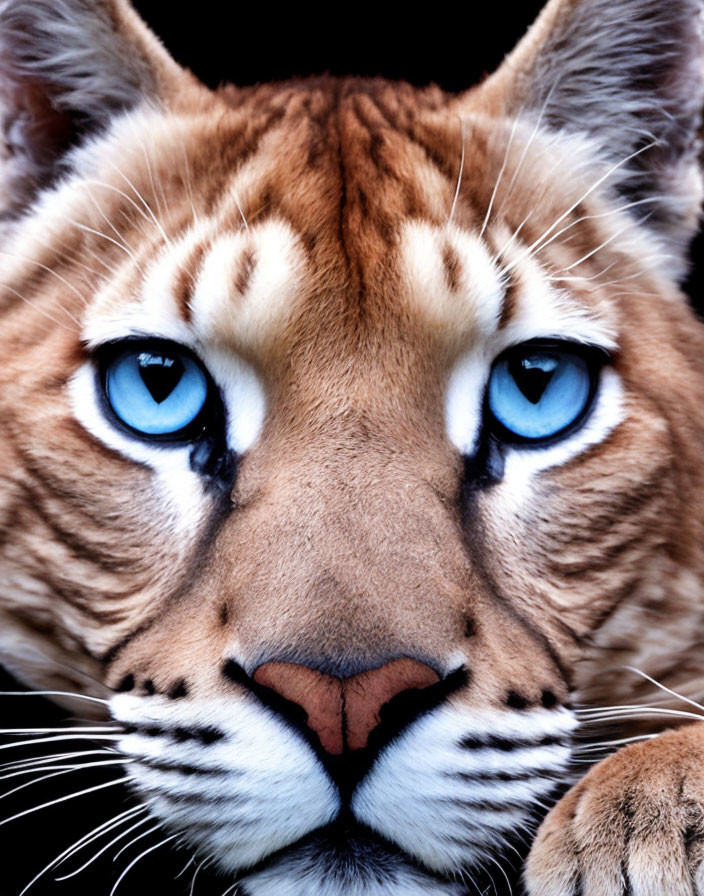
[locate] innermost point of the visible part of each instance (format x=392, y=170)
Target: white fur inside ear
x=629, y=75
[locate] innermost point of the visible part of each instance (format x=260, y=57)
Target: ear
x=628, y=74
x=66, y=68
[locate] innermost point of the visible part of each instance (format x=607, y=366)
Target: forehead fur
x=323, y=193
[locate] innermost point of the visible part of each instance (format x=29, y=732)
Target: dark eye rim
x=209, y=419
x=595, y=358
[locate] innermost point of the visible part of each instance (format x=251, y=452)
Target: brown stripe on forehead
x=386, y=129
x=509, y=305
x=453, y=267
x=245, y=269
x=185, y=281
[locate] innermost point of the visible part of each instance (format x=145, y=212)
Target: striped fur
x=347, y=258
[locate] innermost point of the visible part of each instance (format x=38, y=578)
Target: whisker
x=137, y=839
x=51, y=740
x=53, y=694
x=143, y=201
x=139, y=858
x=105, y=848
x=613, y=211
x=41, y=310
x=499, y=178
x=145, y=153
x=40, y=655
x=65, y=771
x=580, y=278
x=459, y=176
x=76, y=766
x=635, y=714
x=109, y=239
x=115, y=271
x=606, y=242
x=503, y=872
x=588, y=710
x=54, y=273
x=588, y=748
x=108, y=221
x=185, y=868
x=71, y=255
x=195, y=874
x=239, y=209
x=56, y=757
x=662, y=687
x=531, y=139
x=58, y=730
x=84, y=841
x=63, y=799
x=595, y=186
x=514, y=235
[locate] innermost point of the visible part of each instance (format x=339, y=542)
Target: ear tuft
x=629, y=74
x=66, y=68
x=75, y=50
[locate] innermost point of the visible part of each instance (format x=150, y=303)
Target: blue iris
x=535, y=393
x=156, y=392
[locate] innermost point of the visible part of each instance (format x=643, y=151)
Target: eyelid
x=556, y=343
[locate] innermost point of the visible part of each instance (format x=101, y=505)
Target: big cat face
x=348, y=427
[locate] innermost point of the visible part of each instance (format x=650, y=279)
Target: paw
x=633, y=826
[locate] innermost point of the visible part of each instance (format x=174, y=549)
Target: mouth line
x=349, y=845
x=345, y=839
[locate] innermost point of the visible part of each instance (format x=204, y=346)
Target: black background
x=247, y=44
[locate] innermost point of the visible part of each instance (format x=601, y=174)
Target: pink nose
x=344, y=711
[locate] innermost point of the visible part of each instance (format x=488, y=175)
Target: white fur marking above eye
x=470, y=309
x=267, y=262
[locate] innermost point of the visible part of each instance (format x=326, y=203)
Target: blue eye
x=540, y=391
x=156, y=389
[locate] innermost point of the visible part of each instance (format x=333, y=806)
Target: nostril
x=367, y=693
x=319, y=695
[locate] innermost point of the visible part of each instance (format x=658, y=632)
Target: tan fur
x=348, y=539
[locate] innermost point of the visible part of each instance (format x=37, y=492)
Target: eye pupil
x=160, y=374
x=158, y=391
x=541, y=390
x=532, y=375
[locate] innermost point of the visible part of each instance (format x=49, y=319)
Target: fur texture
x=347, y=259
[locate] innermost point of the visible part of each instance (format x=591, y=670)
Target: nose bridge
x=353, y=542
x=363, y=490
